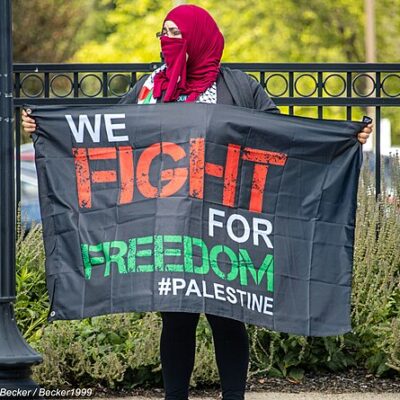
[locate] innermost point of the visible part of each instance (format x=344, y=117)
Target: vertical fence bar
x=291, y=91
x=378, y=137
x=18, y=170
x=46, y=85
x=17, y=90
x=262, y=79
x=378, y=152
x=133, y=79
x=105, y=84
x=76, y=84
x=348, y=94
x=320, y=93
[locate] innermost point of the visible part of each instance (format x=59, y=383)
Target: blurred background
x=254, y=31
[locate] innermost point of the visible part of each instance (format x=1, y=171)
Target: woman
x=192, y=47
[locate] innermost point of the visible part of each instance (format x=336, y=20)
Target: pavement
x=287, y=396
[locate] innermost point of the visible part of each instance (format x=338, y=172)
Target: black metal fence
x=320, y=85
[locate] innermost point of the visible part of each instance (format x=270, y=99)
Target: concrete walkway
x=288, y=396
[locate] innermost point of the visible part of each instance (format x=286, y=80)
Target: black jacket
x=237, y=88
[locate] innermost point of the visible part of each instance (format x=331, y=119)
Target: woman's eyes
x=173, y=32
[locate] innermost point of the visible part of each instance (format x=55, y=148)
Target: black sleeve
x=262, y=101
x=132, y=95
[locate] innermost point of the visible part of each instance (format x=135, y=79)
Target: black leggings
x=177, y=350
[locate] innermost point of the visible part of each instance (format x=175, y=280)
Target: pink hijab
x=204, y=43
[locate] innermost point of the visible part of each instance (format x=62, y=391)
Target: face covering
x=174, y=82
x=204, y=43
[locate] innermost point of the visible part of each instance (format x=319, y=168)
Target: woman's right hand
x=28, y=123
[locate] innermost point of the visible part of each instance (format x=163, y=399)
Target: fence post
x=16, y=356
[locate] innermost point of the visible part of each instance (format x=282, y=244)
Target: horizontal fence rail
x=320, y=85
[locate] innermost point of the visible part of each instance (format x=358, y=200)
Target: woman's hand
x=28, y=123
x=363, y=135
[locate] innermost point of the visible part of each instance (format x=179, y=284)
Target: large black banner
x=199, y=208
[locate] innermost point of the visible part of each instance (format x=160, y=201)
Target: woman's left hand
x=363, y=135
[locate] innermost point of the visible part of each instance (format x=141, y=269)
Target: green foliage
x=105, y=350
x=293, y=30
x=285, y=355
x=376, y=314
x=48, y=30
x=299, y=31
x=133, y=26
x=32, y=298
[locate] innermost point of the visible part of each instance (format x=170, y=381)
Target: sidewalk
x=287, y=396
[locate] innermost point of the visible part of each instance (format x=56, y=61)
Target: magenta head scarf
x=204, y=43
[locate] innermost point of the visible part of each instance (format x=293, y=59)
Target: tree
x=47, y=30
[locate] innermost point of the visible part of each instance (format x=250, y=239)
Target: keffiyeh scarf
x=146, y=92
